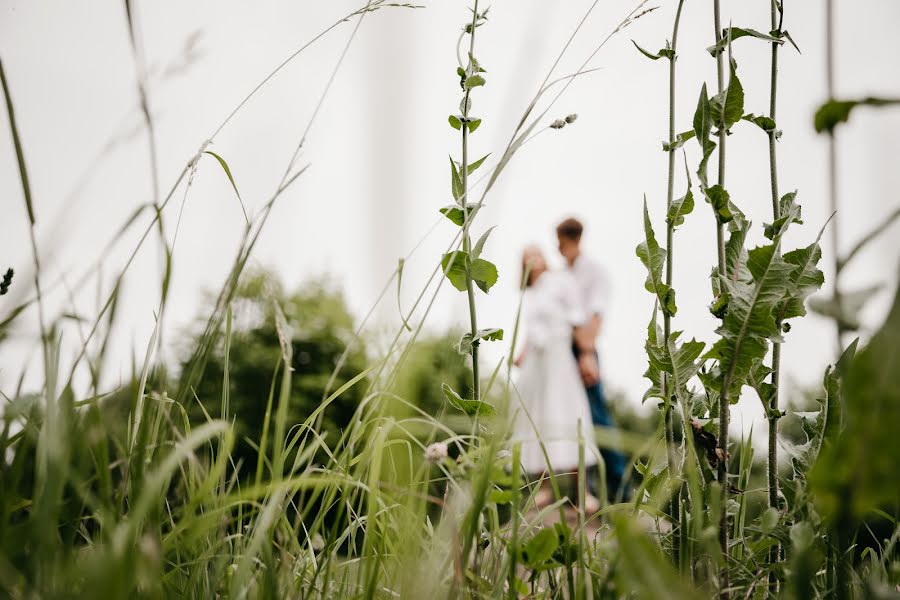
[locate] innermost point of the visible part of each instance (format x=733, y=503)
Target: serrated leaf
x=684, y=363
x=805, y=279
x=454, y=267
x=657, y=359
x=653, y=257
x=736, y=33
x=484, y=274
x=455, y=122
x=474, y=81
x=749, y=323
x=790, y=213
x=473, y=408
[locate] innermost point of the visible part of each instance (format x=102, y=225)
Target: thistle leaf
x=654, y=258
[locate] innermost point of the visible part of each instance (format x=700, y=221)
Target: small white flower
x=436, y=452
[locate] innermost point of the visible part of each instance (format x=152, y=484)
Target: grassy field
x=353, y=485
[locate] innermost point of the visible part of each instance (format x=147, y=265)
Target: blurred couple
x=560, y=385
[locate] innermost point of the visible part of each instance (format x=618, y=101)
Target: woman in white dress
x=551, y=406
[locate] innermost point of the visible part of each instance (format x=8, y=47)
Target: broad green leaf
x=720, y=200
x=540, y=547
x=454, y=266
x=831, y=417
x=474, y=81
x=455, y=181
x=455, y=122
x=769, y=519
x=225, y=168
x=500, y=496
x=484, y=274
x=749, y=322
x=473, y=408
x=765, y=123
x=834, y=112
x=473, y=124
x=477, y=163
x=455, y=213
x=664, y=53
x=654, y=259
x=479, y=245
x=727, y=107
x=642, y=569
x=679, y=141
x=857, y=473
x=736, y=33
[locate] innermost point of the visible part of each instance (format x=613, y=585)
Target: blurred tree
x=319, y=328
x=431, y=361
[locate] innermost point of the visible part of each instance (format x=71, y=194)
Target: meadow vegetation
x=286, y=455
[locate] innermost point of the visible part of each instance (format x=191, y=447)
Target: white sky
x=378, y=153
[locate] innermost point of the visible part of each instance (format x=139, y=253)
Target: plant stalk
x=668, y=394
x=777, y=16
x=724, y=406
x=464, y=175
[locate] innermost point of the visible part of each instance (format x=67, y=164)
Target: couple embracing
x=561, y=395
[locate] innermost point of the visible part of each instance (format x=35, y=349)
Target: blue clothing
x=613, y=459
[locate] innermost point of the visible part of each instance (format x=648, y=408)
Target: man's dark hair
x=570, y=229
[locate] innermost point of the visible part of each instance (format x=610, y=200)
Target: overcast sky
x=378, y=153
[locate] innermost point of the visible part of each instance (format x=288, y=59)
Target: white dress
x=550, y=390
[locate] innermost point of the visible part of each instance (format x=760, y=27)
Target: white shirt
x=593, y=285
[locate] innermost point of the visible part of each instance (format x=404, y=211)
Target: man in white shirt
x=594, y=288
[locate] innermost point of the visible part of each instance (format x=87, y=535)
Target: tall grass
x=125, y=493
